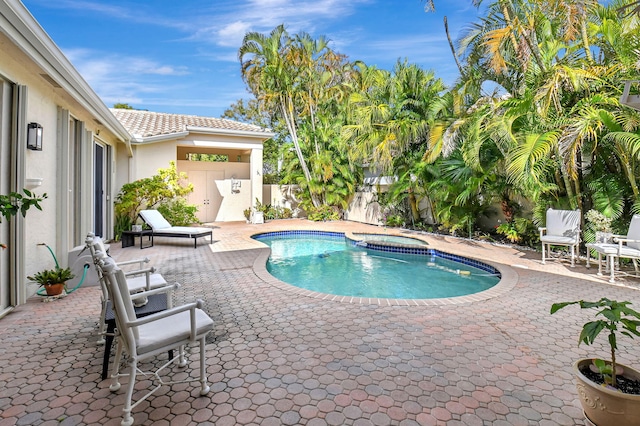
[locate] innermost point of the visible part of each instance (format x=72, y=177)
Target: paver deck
x=278, y=357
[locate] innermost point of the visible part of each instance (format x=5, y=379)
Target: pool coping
x=508, y=281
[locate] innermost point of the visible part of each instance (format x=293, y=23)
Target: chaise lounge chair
x=162, y=228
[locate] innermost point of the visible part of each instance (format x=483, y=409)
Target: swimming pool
x=329, y=263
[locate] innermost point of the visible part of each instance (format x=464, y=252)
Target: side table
x=129, y=238
x=156, y=303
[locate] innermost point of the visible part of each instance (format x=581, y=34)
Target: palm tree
x=389, y=119
x=272, y=78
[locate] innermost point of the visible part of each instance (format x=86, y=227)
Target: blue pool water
x=334, y=265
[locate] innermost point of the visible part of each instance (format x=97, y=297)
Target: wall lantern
x=34, y=136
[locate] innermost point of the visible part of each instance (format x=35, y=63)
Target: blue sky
x=180, y=56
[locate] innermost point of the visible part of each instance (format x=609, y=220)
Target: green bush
x=178, y=212
x=323, y=213
x=394, y=220
x=123, y=223
x=520, y=230
x=164, y=191
x=148, y=193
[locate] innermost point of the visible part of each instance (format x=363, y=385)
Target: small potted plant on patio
x=53, y=280
x=609, y=392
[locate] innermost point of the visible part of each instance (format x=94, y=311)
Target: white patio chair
x=624, y=247
x=138, y=280
x=562, y=229
x=152, y=335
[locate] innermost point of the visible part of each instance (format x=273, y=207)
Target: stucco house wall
x=38, y=84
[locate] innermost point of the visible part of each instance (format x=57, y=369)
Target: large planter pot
x=606, y=407
x=54, y=289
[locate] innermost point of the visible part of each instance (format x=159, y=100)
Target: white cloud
x=232, y=34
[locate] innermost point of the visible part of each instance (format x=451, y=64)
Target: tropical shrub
x=166, y=186
x=394, y=220
x=15, y=202
x=323, y=213
x=178, y=212
x=519, y=230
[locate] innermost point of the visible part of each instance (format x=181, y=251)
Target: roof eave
x=214, y=131
x=138, y=140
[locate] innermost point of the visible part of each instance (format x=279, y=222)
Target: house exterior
x=222, y=189
x=87, y=154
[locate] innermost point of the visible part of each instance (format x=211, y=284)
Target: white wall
x=43, y=101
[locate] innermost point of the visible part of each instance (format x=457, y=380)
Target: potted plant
x=609, y=392
x=600, y=224
x=53, y=280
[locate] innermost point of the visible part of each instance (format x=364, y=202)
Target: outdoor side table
x=156, y=303
x=129, y=238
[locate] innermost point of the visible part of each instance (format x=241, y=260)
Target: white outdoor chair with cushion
x=162, y=228
x=562, y=229
x=138, y=280
x=624, y=247
x=152, y=335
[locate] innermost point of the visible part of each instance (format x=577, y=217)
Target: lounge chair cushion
x=155, y=220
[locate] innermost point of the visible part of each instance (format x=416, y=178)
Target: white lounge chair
x=562, y=229
x=162, y=228
x=624, y=247
x=147, y=337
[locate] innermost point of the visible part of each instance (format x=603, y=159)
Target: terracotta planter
x=54, y=289
x=604, y=406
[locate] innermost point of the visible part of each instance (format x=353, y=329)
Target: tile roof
x=144, y=124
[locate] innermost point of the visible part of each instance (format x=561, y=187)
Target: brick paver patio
x=278, y=357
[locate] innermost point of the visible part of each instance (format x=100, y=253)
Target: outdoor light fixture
x=34, y=136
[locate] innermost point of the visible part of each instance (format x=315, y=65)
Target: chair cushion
x=629, y=252
x=171, y=331
x=154, y=219
x=140, y=282
x=559, y=239
x=185, y=230
x=604, y=248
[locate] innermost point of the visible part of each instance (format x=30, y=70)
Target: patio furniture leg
x=613, y=269
x=102, y=326
x=543, y=253
x=588, y=258
x=127, y=420
x=573, y=256
x=115, y=384
x=203, y=376
x=600, y=263
x=182, y=360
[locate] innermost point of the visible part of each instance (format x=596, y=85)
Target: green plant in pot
x=611, y=395
x=53, y=280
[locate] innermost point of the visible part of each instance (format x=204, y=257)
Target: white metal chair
x=624, y=247
x=562, y=229
x=138, y=280
x=152, y=335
